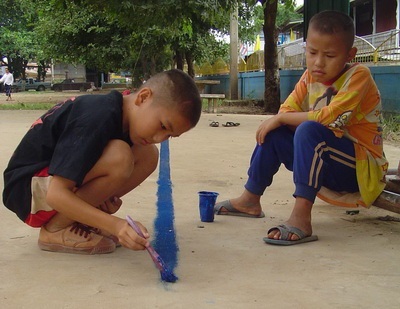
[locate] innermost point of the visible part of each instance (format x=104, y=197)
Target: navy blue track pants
x=315, y=155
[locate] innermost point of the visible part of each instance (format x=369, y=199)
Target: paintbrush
x=166, y=274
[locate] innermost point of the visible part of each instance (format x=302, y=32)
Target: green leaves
x=17, y=38
x=111, y=35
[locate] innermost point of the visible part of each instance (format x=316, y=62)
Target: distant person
x=71, y=169
x=327, y=132
x=7, y=79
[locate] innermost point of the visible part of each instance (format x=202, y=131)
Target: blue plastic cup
x=207, y=201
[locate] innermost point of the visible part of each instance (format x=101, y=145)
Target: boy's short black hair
x=334, y=22
x=178, y=90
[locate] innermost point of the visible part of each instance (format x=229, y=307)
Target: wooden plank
x=390, y=197
x=392, y=183
x=207, y=81
x=202, y=83
x=212, y=96
x=388, y=201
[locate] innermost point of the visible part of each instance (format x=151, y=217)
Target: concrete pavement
x=224, y=264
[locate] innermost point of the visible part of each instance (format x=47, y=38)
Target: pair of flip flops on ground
x=284, y=229
x=227, y=124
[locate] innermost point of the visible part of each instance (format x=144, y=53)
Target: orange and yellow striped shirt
x=351, y=107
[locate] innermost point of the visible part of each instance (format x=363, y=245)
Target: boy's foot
x=226, y=208
x=304, y=226
x=76, y=238
x=247, y=204
x=300, y=219
x=286, y=236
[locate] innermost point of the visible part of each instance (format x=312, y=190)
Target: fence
x=376, y=49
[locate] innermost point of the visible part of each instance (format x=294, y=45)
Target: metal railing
x=375, y=49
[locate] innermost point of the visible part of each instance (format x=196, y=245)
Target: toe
x=293, y=236
x=274, y=234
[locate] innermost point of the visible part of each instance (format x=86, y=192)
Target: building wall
x=62, y=71
x=386, y=11
x=374, y=16
x=363, y=16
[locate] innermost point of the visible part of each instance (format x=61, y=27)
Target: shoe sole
x=65, y=249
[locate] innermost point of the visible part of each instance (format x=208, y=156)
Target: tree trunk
x=153, y=66
x=189, y=61
x=179, y=60
x=17, y=66
x=146, y=71
x=41, y=73
x=271, y=93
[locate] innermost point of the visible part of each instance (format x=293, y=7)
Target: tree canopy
x=141, y=36
x=17, y=35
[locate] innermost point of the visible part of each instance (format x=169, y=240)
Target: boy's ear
x=352, y=53
x=143, y=94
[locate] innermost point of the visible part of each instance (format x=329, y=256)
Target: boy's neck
x=128, y=102
x=346, y=67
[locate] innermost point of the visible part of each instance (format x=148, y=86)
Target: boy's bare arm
x=291, y=119
x=61, y=197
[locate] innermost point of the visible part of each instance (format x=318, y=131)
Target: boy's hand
x=129, y=238
x=292, y=120
x=267, y=126
x=111, y=205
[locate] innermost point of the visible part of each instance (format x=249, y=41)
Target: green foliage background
x=139, y=36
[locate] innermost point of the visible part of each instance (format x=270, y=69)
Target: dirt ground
x=44, y=96
x=27, y=97
x=224, y=264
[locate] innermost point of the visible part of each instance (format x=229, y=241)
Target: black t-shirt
x=69, y=139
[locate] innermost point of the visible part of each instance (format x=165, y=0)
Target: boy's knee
x=309, y=126
x=119, y=157
x=308, y=129
x=277, y=136
x=121, y=160
x=146, y=155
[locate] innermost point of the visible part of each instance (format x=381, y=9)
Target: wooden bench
x=390, y=197
x=212, y=98
x=202, y=83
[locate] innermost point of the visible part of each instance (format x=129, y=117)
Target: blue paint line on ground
x=165, y=237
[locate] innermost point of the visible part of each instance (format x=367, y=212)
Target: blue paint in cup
x=207, y=201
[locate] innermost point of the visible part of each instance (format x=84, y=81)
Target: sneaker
x=105, y=234
x=76, y=238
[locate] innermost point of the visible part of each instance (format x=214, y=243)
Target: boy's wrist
x=280, y=119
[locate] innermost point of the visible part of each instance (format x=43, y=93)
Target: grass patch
x=391, y=127
x=26, y=106
x=205, y=103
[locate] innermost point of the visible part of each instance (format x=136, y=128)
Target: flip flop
x=232, y=211
x=231, y=124
x=285, y=230
x=214, y=124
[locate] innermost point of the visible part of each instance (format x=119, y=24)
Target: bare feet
x=300, y=218
x=247, y=203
